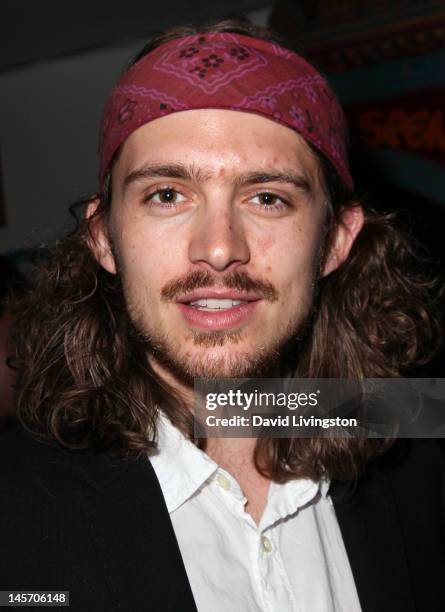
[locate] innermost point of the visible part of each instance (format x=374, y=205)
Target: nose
x=218, y=240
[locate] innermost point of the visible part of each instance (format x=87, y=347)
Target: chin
x=214, y=363
x=217, y=353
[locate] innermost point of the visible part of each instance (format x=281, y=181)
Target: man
x=226, y=241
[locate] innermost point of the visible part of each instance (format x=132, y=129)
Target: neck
x=183, y=390
x=235, y=455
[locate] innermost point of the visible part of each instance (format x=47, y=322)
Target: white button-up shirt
x=294, y=560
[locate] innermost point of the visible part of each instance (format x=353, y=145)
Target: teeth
x=214, y=304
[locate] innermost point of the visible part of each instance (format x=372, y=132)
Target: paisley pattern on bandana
x=212, y=66
x=226, y=71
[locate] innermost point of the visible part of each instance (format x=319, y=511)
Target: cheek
x=264, y=244
x=291, y=261
x=147, y=258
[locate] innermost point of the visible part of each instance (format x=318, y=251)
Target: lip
x=225, y=319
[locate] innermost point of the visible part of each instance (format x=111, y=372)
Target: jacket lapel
x=374, y=543
x=134, y=538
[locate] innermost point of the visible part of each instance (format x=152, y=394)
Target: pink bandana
x=226, y=71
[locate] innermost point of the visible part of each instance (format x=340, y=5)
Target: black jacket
x=99, y=528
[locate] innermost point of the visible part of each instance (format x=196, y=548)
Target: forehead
x=217, y=140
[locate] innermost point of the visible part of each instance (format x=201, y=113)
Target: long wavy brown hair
x=85, y=380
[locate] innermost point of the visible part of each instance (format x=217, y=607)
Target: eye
x=165, y=197
x=268, y=200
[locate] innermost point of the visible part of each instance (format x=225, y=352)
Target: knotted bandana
x=226, y=71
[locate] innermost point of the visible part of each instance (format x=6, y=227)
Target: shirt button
x=266, y=544
x=223, y=482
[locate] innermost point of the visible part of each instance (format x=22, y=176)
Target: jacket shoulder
x=27, y=463
x=415, y=461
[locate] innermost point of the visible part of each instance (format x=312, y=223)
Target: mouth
x=217, y=310
x=215, y=305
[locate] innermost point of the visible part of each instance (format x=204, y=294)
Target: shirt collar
x=180, y=466
x=182, y=469
x=290, y=497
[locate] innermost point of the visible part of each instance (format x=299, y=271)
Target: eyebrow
x=191, y=173
x=178, y=171
x=298, y=180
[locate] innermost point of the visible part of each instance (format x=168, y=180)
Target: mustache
x=200, y=279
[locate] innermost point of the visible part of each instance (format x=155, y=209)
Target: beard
x=274, y=357
x=264, y=361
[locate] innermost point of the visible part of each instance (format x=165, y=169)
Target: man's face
x=217, y=226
